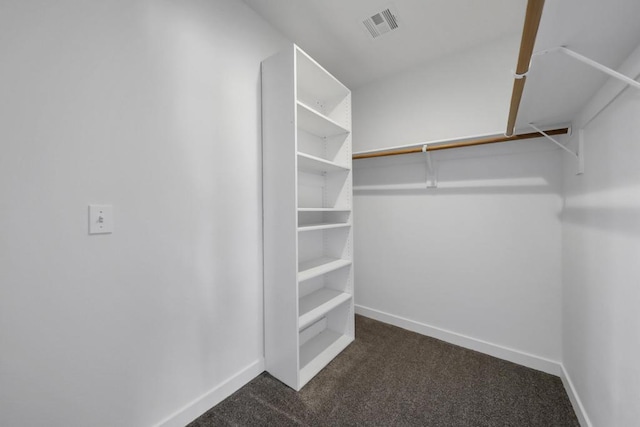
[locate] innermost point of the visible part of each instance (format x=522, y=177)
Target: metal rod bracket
x=432, y=179
x=598, y=66
x=580, y=152
x=579, y=155
x=520, y=76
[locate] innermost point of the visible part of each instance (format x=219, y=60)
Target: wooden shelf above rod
x=465, y=143
x=529, y=33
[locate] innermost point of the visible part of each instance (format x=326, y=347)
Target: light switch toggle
x=100, y=219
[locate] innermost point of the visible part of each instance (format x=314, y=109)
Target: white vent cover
x=381, y=23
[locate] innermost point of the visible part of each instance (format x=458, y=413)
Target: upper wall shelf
x=446, y=144
x=563, y=67
x=558, y=86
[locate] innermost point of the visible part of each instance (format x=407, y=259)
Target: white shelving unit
x=307, y=198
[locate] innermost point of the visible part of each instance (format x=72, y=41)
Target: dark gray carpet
x=393, y=377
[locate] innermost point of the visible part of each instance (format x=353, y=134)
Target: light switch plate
x=100, y=219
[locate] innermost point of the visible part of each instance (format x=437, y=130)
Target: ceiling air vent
x=381, y=23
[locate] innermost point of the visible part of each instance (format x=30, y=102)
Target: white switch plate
x=100, y=219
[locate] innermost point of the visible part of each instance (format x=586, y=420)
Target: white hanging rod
x=592, y=63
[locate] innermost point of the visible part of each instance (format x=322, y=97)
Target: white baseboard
x=521, y=358
x=214, y=396
x=578, y=408
x=501, y=352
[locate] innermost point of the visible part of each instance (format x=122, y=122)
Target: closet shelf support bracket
x=579, y=155
x=432, y=180
x=592, y=63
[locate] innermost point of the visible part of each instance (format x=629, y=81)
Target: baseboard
x=214, y=396
x=521, y=358
x=578, y=408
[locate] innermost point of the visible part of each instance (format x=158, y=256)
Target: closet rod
x=529, y=32
x=467, y=143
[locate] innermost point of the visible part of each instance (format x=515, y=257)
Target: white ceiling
x=331, y=31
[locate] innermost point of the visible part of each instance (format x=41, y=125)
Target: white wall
x=476, y=261
x=464, y=94
x=152, y=106
x=601, y=254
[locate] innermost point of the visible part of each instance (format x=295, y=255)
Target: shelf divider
x=323, y=226
x=324, y=210
x=317, y=123
x=309, y=163
x=318, y=267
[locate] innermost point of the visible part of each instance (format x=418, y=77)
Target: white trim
x=516, y=356
x=578, y=407
x=214, y=396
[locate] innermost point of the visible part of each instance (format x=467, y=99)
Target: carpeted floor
x=393, y=377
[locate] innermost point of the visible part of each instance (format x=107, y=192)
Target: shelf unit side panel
x=310, y=189
x=341, y=113
x=338, y=190
x=280, y=217
x=347, y=120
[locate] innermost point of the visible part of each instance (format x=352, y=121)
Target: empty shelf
x=323, y=210
x=322, y=226
x=314, y=80
x=319, y=351
x=315, y=305
x=316, y=123
x=309, y=163
x=320, y=266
